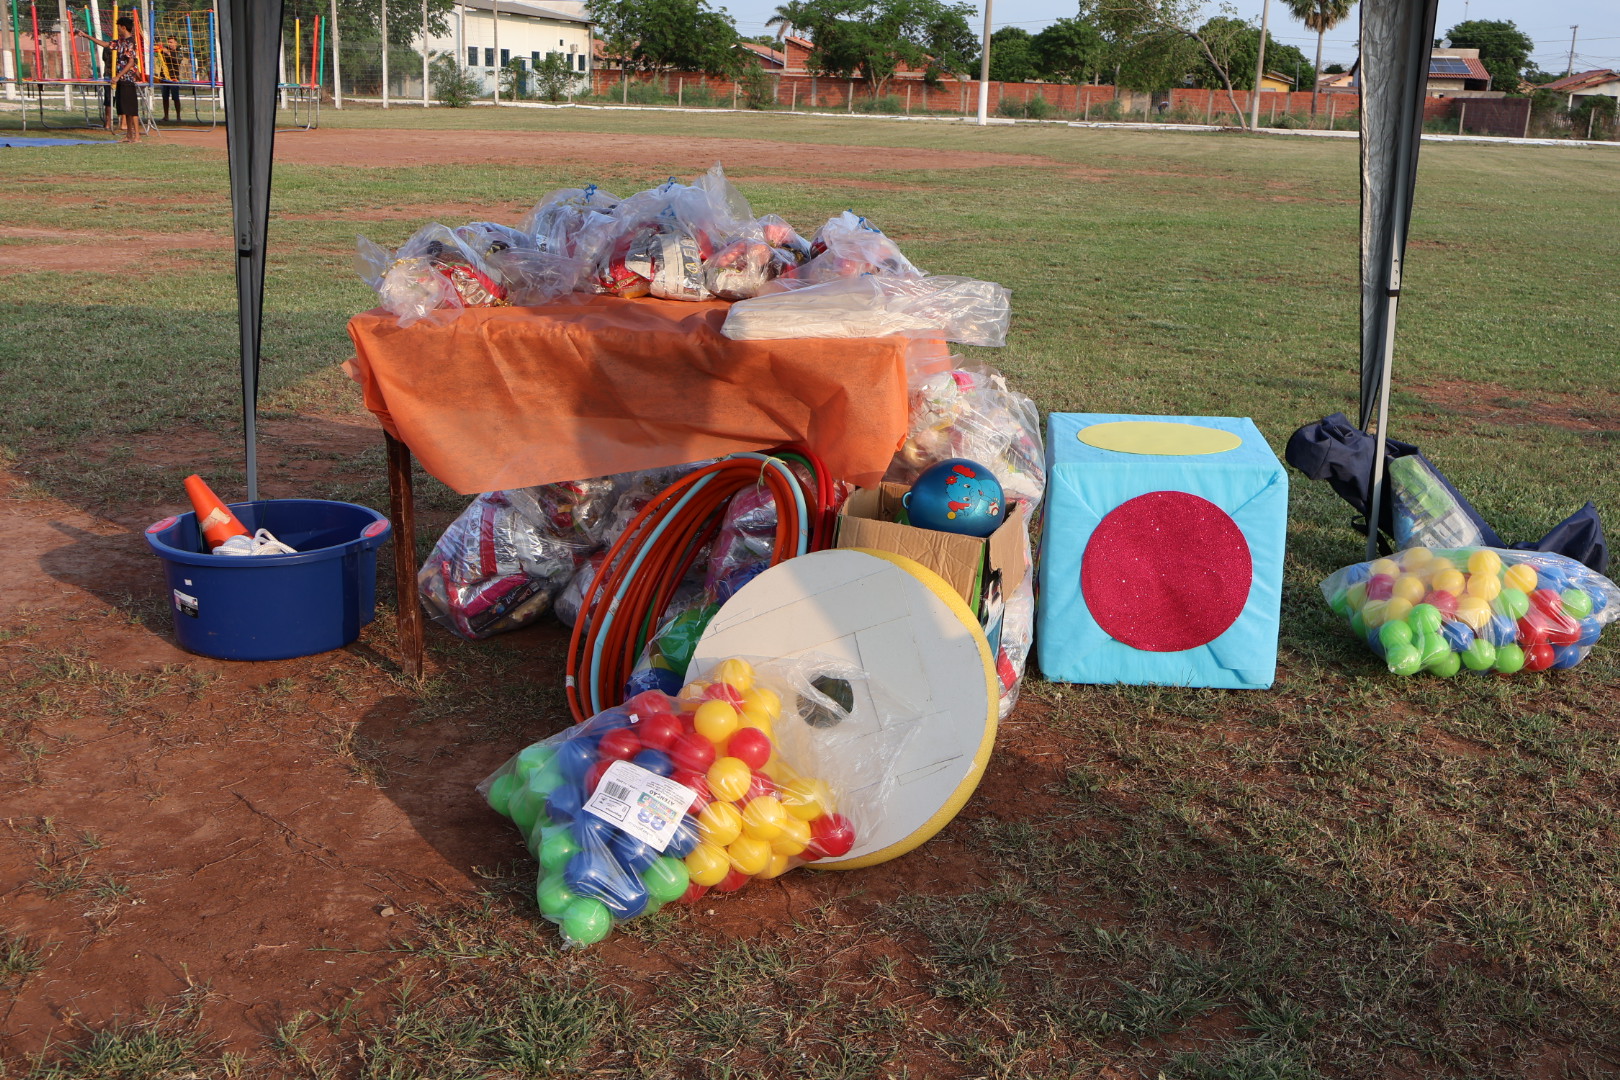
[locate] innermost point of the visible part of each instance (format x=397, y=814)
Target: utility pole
x=495, y=22
x=424, y=56
x=337, y=76
x=1259, y=68
x=1569, y=68
x=984, y=71
x=385, y=53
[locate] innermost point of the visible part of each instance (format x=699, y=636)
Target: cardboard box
x=965, y=562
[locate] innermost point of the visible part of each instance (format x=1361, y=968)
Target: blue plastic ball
x=1567, y=656
x=1501, y=630
x=957, y=496
x=564, y=802
x=576, y=756
x=652, y=678
x=654, y=761
x=606, y=720
x=1600, y=599
x=1375, y=642
x=684, y=840
x=1458, y=635
x=1356, y=574
x=596, y=873
x=632, y=854
x=1590, y=630
x=592, y=833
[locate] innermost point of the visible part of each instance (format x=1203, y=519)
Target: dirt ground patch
x=1593, y=410
x=639, y=153
x=47, y=250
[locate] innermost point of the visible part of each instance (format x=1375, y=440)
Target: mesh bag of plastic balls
x=748, y=773
x=1474, y=609
x=499, y=565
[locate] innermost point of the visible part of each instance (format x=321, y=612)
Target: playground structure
x=43, y=53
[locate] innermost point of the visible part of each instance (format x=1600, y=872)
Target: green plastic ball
x=1395, y=633
x=1513, y=603
x=525, y=805
x=547, y=778
x=1359, y=625
x=500, y=793
x=531, y=759
x=1340, y=602
x=1577, y=603
x=666, y=879
x=1509, y=658
x=1426, y=618
x=1432, y=647
x=557, y=848
x=1481, y=655
x=586, y=921
x=1403, y=659
x=554, y=896
x=1447, y=666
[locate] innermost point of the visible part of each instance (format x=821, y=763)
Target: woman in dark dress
x=126, y=70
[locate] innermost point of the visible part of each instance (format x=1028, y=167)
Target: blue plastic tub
x=274, y=607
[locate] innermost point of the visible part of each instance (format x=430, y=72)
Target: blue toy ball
x=957, y=496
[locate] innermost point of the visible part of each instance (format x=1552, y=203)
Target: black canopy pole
x=250, y=38
x=1396, y=40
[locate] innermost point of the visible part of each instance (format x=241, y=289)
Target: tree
x=1333, y=69
x=1070, y=50
x=1012, y=55
x=1503, y=48
x=1237, y=44
x=554, y=76
x=871, y=39
x=1321, y=16
x=666, y=35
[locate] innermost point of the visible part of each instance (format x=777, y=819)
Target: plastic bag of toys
x=1474, y=609
x=1426, y=513
x=571, y=222
x=848, y=246
x=971, y=412
x=660, y=238
x=529, y=275
x=746, y=774
x=499, y=564
x=435, y=270
x=747, y=263
x=941, y=306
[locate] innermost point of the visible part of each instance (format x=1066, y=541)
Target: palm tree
x=1321, y=16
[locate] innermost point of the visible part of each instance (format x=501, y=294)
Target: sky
x=1597, y=43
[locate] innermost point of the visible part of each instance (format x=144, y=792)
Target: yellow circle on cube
x=1408, y=587
x=1521, y=576
x=1475, y=611
x=707, y=864
x=1449, y=580
x=763, y=818
x=716, y=721
x=749, y=855
x=1163, y=438
x=729, y=778
x=719, y=824
x=1485, y=561
x=794, y=839
x=1484, y=584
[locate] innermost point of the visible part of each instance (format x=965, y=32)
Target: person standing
x=168, y=74
x=126, y=70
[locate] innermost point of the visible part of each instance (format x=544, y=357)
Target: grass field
x=1348, y=876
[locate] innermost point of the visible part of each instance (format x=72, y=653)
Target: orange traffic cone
x=216, y=523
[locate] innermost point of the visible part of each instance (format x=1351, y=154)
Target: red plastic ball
x=620, y=744
x=594, y=776
x=698, y=783
x=692, y=752
x=1380, y=587
x=751, y=746
x=1531, y=633
x=732, y=882
x=831, y=835
x=759, y=785
x=1538, y=657
x=649, y=703
x=1565, y=631
x=659, y=730
x=724, y=692
x=692, y=894
x=1444, y=601
x=1548, y=601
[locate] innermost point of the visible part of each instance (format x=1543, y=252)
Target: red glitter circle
x=1166, y=571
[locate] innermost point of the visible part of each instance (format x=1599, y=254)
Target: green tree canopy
x=1012, y=55
x=1070, y=50
x=871, y=39
x=667, y=35
x=1504, y=49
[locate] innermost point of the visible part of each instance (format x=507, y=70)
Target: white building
x=484, y=35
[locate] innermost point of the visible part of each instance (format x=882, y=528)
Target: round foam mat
x=922, y=646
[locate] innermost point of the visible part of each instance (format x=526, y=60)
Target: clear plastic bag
x=1426, y=514
x=571, y=222
x=849, y=245
x=498, y=566
x=1474, y=609
x=751, y=771
x=942, y=306
x=971, y=412
x=434, y=271
x=658, y=239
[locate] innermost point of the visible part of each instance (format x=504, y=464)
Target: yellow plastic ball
x=794, y=839
x=1372, y=613
x=748, y=855
x=1356, y=595
x=1416, y=558
x=734, y=673
x=1449, y=580
x=716, y=721
x=762, y=818
x=1485, y=561
x=1475, y=611
x=807, y=799
x=719, y=824
x=729, y=779
x=1396, y=609
x=1521, y=576
x=755, y=717
x=777, y=866
x=708, y=864
x=1388, y=567
x=1408, y=587
x=1486, y=586
x=763, y=699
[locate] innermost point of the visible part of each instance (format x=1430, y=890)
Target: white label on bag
x=642, y=803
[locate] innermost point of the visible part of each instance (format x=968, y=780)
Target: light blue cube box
x=1085, y=483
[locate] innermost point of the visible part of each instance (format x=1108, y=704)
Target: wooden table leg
x=402, y=514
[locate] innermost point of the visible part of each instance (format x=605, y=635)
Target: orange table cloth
x=591, y=385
